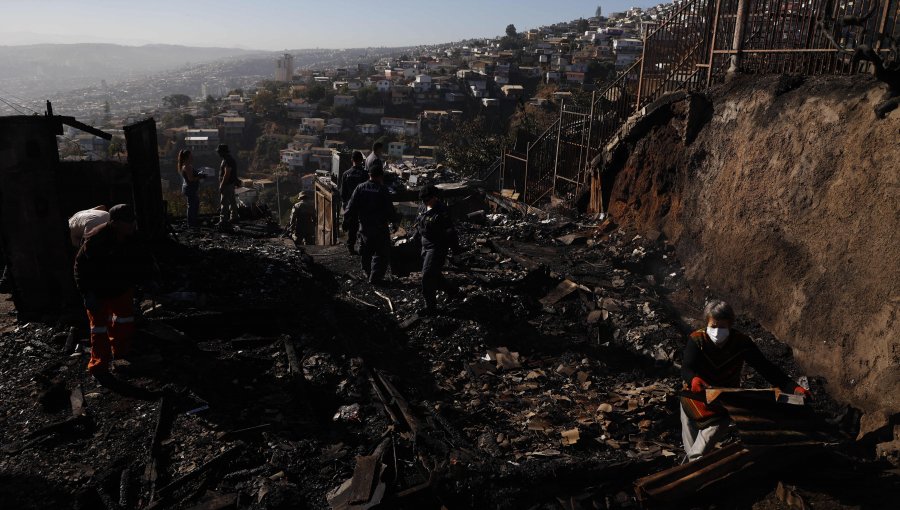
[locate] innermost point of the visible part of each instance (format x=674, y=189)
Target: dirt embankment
x=788, y=204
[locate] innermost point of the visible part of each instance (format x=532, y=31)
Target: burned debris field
x=272, y=376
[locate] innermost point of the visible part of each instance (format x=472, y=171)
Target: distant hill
x=52, y=67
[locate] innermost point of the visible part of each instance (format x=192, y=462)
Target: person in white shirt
x=83, y=221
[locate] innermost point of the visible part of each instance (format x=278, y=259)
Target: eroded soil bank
x=787, y=203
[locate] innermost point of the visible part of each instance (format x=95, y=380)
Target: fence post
x=562, y=109
x=637, y=104
x=712, y=45
x=524, y=196
x=740, y=24
x=883, y=24
x=589, y=156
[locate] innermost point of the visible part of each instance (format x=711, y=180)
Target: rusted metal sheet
x=33, y=224
x=766, y=421
x=688, y=479
x=143, y=160
x=769, y=431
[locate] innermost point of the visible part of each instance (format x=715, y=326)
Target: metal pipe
x=738, y=41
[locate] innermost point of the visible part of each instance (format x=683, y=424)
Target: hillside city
x=614, y=262
x=452, y=104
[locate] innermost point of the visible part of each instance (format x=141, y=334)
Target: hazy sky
x=280, y=24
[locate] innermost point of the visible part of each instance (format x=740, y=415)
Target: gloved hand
x=805, y=393
x=698, y=385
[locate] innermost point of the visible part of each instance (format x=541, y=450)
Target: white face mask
x=717, y=335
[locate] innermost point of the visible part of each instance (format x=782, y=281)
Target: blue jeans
x=192, y=192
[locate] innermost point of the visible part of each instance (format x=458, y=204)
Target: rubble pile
x=273, y=376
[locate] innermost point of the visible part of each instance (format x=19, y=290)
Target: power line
x=14, y=107
x=19, y=101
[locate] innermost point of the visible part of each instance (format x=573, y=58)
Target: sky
x=280, y=24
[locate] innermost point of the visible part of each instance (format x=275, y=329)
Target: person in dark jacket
x=108, y=266
x=302, y=225
x=715, y=357
x=372, y=205
x=228, y=181
x=434, y=228
x=190, y=186
x=352, y=178
x=374, y=159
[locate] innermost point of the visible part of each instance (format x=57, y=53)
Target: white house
x=422, y=83
x=201, y=140
x=400, y=126
x=368, y=129
x=295, y=159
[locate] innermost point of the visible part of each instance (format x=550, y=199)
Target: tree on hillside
x=582, y=26
x=509, y=43
x=369, y=96
x=599, y=11
x=317, y=92
x=265, y=101
x=511, y=30
x=469, y=146
x=176, y=101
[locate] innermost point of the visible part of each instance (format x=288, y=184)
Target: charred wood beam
x=164, y=416
x=71, y=121
x=396, y=399
x=165, y=493
x=125, y=488
x=385, y=402
x=294, y=366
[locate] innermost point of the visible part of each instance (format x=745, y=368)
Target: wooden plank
x=363, y=479
x=562, y=290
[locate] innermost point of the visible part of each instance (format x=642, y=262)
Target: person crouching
x=715, y=357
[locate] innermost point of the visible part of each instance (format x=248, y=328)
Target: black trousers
x=375, y=253
x=432, y=278
x=352, y=234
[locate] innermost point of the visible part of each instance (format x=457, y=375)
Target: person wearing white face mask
x=715, y=357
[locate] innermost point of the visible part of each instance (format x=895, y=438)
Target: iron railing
x=695, y=46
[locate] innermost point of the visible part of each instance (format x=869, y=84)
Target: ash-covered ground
x=265, y=369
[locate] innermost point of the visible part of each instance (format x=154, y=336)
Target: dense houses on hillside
x=443, y=81
x=405, y=100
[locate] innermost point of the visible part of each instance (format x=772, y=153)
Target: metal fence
x=695, y=46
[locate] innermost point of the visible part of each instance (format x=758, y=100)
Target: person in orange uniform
x=108, y=266
x=715, y=357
